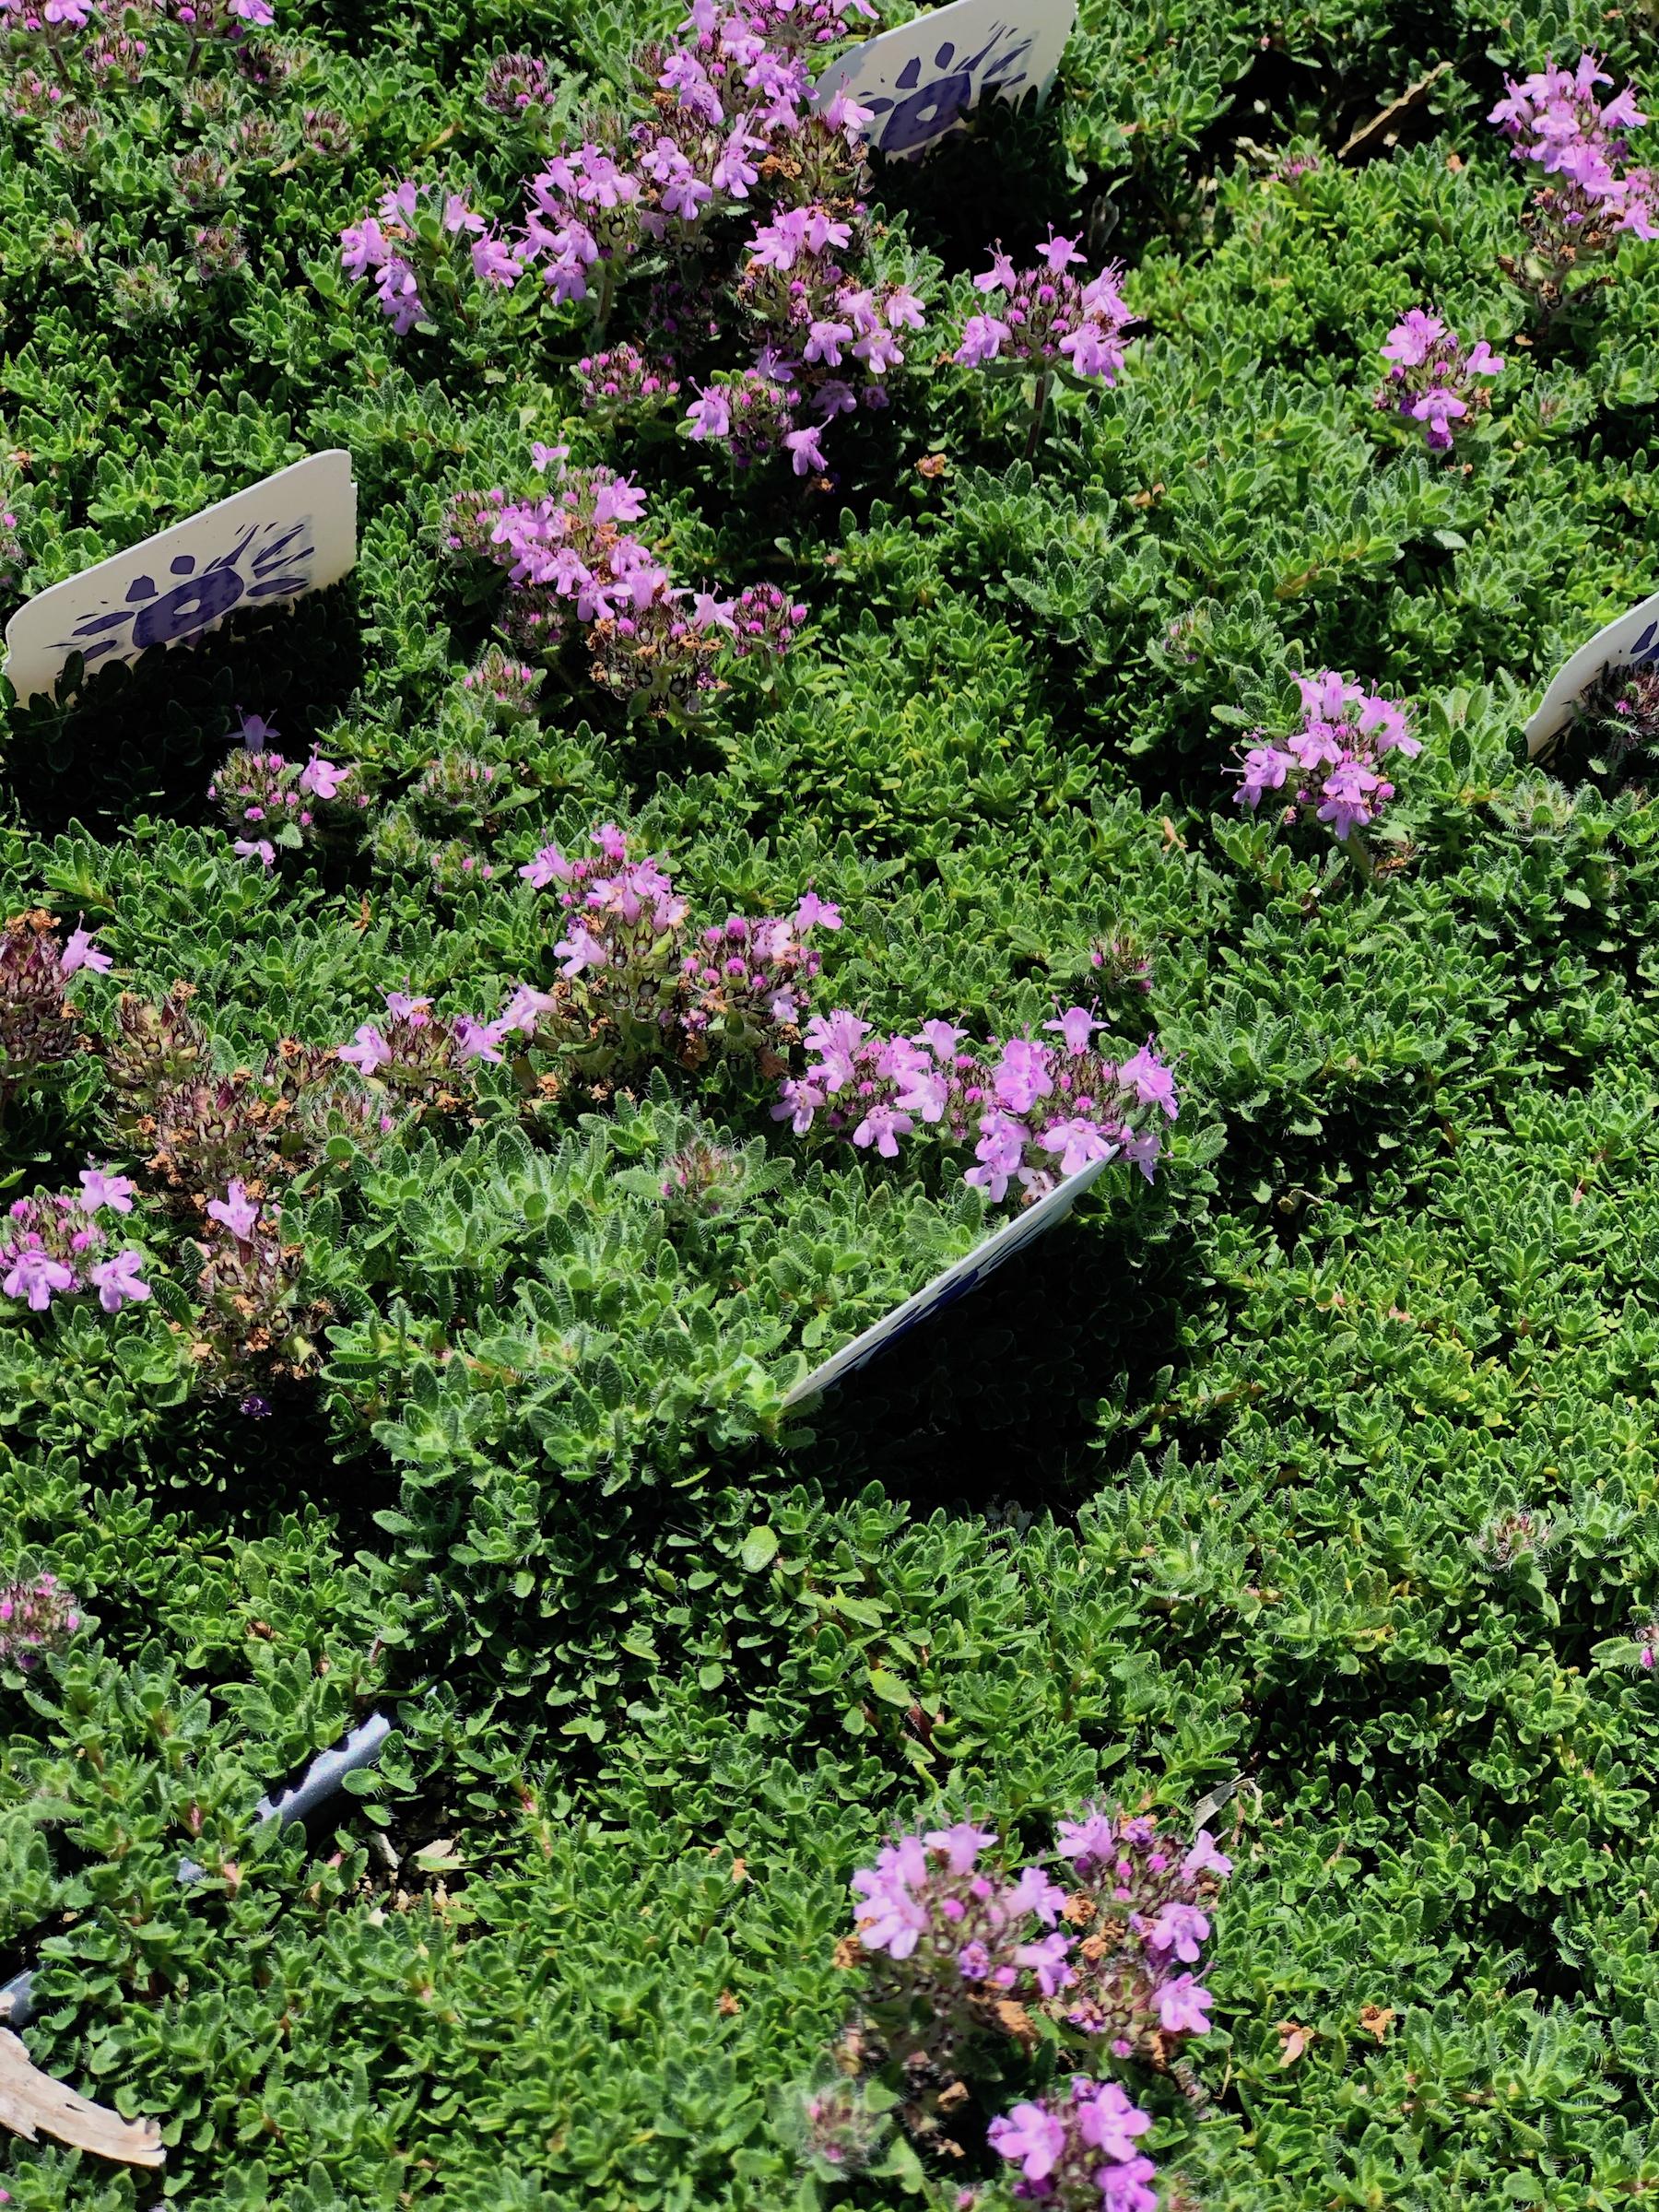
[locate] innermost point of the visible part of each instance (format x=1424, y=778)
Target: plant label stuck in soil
x=923, y=80
x=1632, y=642
x=264, y=547
x=957, y=1280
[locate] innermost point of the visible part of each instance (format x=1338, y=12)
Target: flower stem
x=1039, y=407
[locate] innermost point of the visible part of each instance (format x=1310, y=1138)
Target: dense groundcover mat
x=1306, y=1492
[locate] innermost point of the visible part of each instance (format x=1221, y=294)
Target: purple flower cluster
x=732, y=93
x=1046, y=316
x=424, y=236
x=55, y=1247
x=732, y=165
x=827, y=340
x=1431, y=380
x=36, y=1617
x=39, y=1028
x=737, y=987
x=1141, y=1900
x=248, y=1284
x=574, y=562
x=666, y=656
x=958, y=1931
x=962, y=1933
x=273, y=800
x=203, y=19
x=1033, y=1111
x=1076, y=2149
x=634, y=984
x=1329, y=770
x=961, y=1946
x=419, y=1054
x=1555, y=119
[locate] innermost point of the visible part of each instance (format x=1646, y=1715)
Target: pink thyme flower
x=239, y=1212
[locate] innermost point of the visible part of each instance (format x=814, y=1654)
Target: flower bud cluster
x=1615, y=720
x=624, y=383
x=36, y=1617
x=270, y=800
x=1330, y=771
x=199, y=1128
x=517, y=84
x=505, y=687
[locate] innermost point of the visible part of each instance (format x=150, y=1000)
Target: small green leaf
x=760, y=1547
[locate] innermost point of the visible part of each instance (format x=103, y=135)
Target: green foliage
x=1216, y=1491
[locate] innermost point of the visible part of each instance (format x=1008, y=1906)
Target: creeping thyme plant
x=877, y=695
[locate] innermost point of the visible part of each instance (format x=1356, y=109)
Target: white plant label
x=1630, y=643
x=292, y=534
x=957, y=1280
x=923, y=80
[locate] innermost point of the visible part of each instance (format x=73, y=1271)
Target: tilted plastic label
x=923, y=80
x=1630, y=643
x=292, y=534
x=958, y=1280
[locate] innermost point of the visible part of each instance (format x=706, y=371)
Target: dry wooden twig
x=32, y=2101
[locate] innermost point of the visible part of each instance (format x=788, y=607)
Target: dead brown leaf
x=1294, y=2040
x=32, y=2101
x=1378, y=134
x=1377, y=2020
